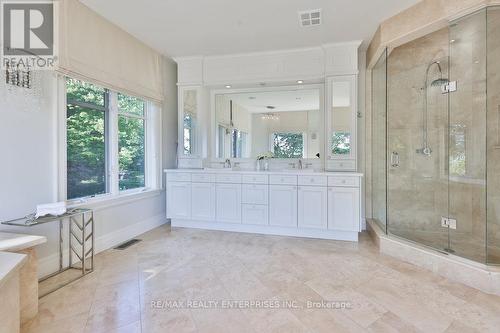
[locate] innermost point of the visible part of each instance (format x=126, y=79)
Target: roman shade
x=91, y=48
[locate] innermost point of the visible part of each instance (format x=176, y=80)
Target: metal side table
x=80, y=240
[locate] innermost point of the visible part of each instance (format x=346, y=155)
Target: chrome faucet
x=300, y=164
x=227, y=163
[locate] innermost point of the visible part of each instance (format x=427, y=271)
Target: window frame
x=152, y=149
x=144, y=117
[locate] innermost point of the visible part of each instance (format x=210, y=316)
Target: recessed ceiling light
x=228, y=86
x=300, y=81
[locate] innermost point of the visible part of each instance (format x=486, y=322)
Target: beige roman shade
x=94, y=49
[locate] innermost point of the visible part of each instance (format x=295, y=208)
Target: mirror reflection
x=286, y=124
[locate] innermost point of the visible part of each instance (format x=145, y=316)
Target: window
x=288, y=145
x=105, y=128
x=86, y=123
x=238, y=143
x=189, y=130
x=341, y=143
x=131, y=146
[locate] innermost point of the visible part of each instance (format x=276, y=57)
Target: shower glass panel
x=436, y=116
x=379, y=135
x=417, y=140
x=493, y=136
x=467, y=137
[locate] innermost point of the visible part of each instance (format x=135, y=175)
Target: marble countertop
x=16, y=242
x=272, y=172
x=9, y=262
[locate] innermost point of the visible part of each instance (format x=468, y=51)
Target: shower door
x=437, y=138
x=467, y=137
x=417, y=140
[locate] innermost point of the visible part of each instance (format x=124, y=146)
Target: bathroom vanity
x=291, y=203
x=297, y=112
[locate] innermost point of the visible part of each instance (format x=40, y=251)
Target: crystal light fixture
x=270, y=116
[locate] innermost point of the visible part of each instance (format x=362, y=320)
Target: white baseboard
x=50, y=263
x=109, y=240
x=268, y=230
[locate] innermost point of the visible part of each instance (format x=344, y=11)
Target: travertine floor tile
x=152, y=286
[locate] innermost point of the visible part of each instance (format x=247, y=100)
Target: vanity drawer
x=254, y=194
x=343, y=181
x=203, y=178
x=283, y=180
x=255, y=179
x=313, y=180
x=179, y=177
x=254, y=214
x=231, y=179
x=349, y=165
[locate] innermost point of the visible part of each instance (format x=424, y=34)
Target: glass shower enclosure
x=436, y=139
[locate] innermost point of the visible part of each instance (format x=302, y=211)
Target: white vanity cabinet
x=317, y=205
x=228, y=206
x=283, y=203
x=344, y=204
x=178, y=200
x=203, y=201
x=312, y=207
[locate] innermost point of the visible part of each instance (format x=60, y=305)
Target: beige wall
x=423, y=18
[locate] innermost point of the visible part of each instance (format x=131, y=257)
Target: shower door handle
x=394, y=159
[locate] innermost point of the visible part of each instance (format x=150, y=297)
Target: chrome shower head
x=439, y=82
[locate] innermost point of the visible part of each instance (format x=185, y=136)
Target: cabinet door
x=343, y=208
x=203, y=199
x=179, y=200
x=254, y=214
x=228, y=198
x=312, y=207
x=283, y=205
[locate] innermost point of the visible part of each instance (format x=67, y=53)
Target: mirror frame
x=213, y=115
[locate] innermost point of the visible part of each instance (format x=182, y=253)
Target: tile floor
x=161, y=284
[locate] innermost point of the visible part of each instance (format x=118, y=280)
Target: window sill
x=110, y=200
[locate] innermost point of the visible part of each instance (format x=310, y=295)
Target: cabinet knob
x=343, y=181
x=312, y=180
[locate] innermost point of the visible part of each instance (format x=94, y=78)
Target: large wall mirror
x=284, y=123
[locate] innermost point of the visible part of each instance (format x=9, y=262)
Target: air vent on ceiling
x=310, y=18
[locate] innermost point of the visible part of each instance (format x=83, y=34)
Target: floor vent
x=127, y=244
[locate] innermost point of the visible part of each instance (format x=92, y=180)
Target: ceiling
x=214, y=27
x=282, y=101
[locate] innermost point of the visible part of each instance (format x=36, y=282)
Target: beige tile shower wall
x=493, y=130
x=417, y=188
x=425, y=17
